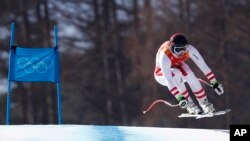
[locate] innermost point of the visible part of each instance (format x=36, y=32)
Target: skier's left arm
x=199, y=61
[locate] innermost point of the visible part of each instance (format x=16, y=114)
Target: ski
x=199, y=116
x=187, y=115
x=213, y=114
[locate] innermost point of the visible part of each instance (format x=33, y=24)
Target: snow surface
x=107, y=133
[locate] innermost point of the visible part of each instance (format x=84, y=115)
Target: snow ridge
x=107, y=133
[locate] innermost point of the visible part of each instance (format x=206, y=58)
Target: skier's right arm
x=165, y=65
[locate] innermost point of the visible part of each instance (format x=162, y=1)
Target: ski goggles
x=180, y=50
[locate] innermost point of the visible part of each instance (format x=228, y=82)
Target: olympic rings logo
x=34, y=64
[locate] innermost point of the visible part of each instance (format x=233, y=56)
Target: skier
x=172, y=71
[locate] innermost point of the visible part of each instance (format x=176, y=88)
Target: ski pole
x=159, y=101
x=205, y=82
x=167, y=103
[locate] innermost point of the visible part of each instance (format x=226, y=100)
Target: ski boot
x=207, y=106
x=192, y=108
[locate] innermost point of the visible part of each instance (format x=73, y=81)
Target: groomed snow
x=107, y=133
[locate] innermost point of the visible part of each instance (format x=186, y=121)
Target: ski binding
x=199, y=116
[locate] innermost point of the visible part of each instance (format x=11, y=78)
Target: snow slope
x=107, y=133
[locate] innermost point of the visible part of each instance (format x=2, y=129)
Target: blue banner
x=34, y=64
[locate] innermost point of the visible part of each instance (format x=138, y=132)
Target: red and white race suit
x=173, y=72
